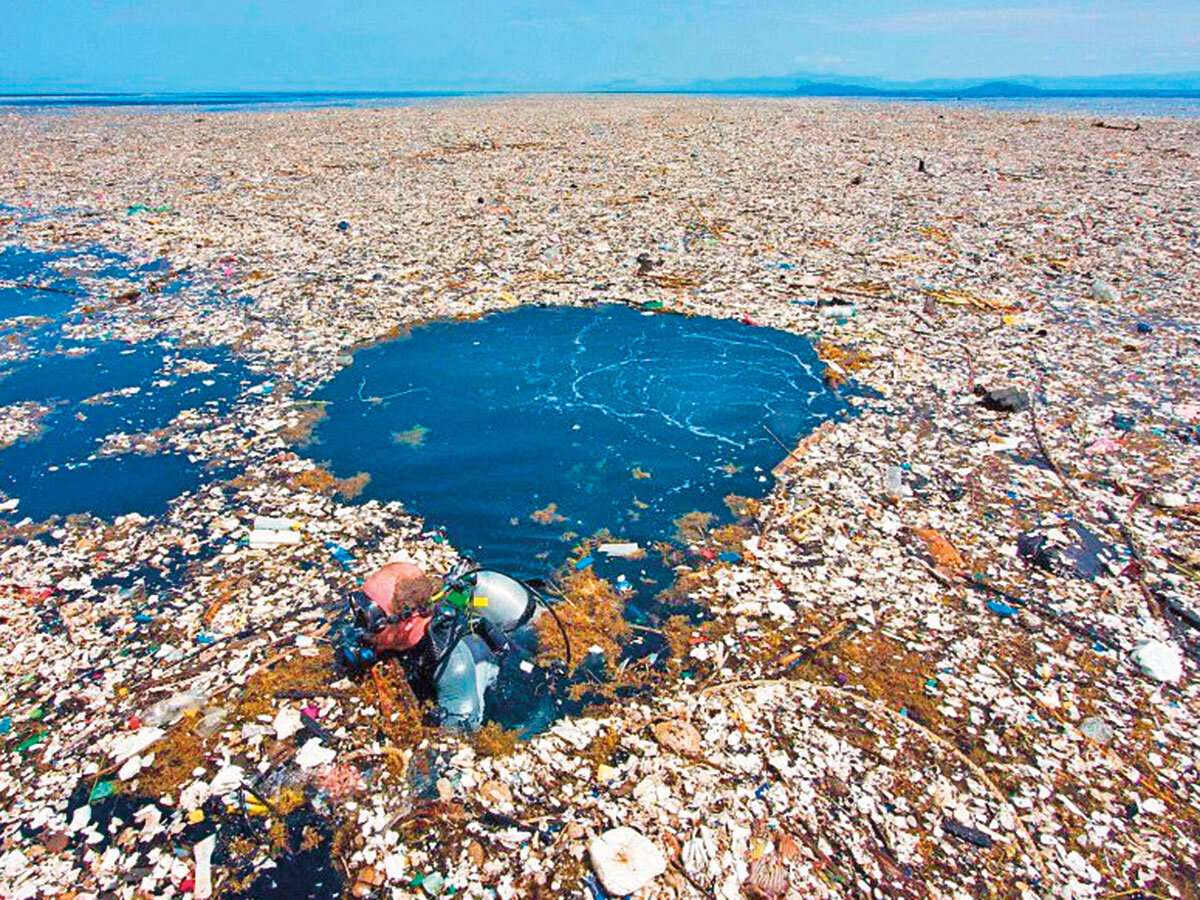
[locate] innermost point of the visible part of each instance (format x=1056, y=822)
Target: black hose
x=550, y=609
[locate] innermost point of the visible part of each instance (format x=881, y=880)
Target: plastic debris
x=312, y=754
x=1097, y=729
x=1006, y=399
x=1160, y=660
x=625, y=860
x=620, y=550
x=170, y=709
x=967, y=833
x=979, y=274
x=203, y=852
x=1105, y=292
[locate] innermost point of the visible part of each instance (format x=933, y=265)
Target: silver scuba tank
x=503, y=601
x=471, y=667
x=470, y=670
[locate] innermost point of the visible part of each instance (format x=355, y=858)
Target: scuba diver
x=473, y=636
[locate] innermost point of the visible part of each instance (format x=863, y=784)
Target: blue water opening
x=109, y=388
x=85, y=393
x=527, y=430
x=22, y=273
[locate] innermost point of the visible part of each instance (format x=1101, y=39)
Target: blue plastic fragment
x=204, y=638
x=597, y=892
x=1144, y=328
x=340, y=553
x=1001, y=609
x=143, y=618
x=730, y=556
x=584, y=563
x=6, y=725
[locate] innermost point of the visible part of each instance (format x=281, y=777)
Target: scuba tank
x=494, y=606
x=503, y=601
x=470, y=670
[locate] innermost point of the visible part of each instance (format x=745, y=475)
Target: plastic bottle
x=167, y=710
x=892, y=482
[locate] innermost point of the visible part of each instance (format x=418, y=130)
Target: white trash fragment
x=1105, y=292
x=625, y=860
x=131, y=744
x=132, y=766
x=226, y=781
x=272, y=538
x=13, y=863
x=203, y=852
x=394, y=866
x=287, y=722
x=621, y=550
x=80, y=818
x=273, y=523
x=312, y=755
x=1160, y=660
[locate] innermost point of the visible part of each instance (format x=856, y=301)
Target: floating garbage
x=627, y=550
x=851, y=602
x=1160, y=660
x=625, y=860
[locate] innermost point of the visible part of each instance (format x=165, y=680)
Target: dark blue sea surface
x=18, y=267
x=527, y=430
x=60, y=472
x=93, y=389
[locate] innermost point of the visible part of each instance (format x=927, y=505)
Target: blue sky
x=538, y=44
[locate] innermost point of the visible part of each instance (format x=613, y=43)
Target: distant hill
x=814, y=84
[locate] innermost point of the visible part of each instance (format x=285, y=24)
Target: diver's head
x=393, y=608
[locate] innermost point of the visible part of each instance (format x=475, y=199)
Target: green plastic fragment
x=102, y=790
x=30, y=741
x=652, y=304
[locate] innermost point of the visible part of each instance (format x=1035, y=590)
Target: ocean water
x=265, y=101
x=248, y=101
x=528, y=430
x=96, y=390
x=90, y=391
